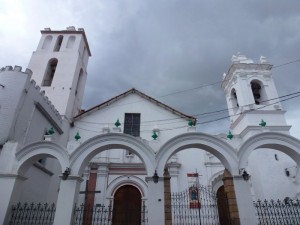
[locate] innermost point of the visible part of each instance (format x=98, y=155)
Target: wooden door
x=223, y=207
x=127, y=206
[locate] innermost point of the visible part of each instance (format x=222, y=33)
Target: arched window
x=257, y=92
x=47, y=42
x=58, y=43
x=234, y=100
x=49, y=73
x=79, y=81
x=71, y=42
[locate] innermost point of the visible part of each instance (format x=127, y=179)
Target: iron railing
x=280, y=212
x=190, y=208
x=32, y=214
x=92, y=215
x=100, y=215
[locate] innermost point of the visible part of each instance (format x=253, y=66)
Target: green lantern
x=77, y=136
x=230, y=135
x=117, y=124
x=262, y=123
x=51, y=131
x=154, y=135
x=191, y=123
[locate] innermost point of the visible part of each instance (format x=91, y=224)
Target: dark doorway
x=127, y=206
x=223, y=207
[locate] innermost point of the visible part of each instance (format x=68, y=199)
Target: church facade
x=133, y=151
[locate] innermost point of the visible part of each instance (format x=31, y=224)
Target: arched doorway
x=222, y=202
x=127, y=206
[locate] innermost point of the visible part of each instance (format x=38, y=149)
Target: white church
x=133, y=160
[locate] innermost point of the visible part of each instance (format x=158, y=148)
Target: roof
x=134, y=91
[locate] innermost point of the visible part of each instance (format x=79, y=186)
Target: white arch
x=86, y=151
x=222, y=150
x=124, y=180
x=277, y=141
x=33, y=152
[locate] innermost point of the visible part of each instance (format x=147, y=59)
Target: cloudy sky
x=162, y=47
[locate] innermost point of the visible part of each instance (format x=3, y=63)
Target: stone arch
x=216, y=181
x=86, y=151
x=222, y=150
x=123, y=180
x=33, y=152
x=272, y=140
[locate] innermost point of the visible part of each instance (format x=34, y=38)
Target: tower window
x=47, y=42
x=58, y=43
x=132, y=124
x=79, y=81
x=71, y=42
x=50, y=71
x=256, y=90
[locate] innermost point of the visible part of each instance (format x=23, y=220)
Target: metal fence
x=100, y=215
x=195, y=206
x=32, y=214
x=279, y=212
x=92, y=215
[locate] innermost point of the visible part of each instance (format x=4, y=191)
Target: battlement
x=40, y=96
x=16, y=69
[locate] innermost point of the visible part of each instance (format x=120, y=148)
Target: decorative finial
x=230, y=135
x=154, y=135
x=51, y=131
x=117, y=124
x=191, y=123
x=77, y=136
x=263, y=123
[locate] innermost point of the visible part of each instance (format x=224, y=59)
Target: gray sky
x=165, y=46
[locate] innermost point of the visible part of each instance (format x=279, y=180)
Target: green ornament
x=51, y=131
x=191, y=123
x=77, y=136
x=117, y=124
x=263, y=123
x=230, y=135
x=154, y=135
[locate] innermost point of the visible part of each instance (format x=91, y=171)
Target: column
x=67, y=197
x=10, y=190
x=231, y=198
x=155, y=205
x=244, y=201
x=167, y=192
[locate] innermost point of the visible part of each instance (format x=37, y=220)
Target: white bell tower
x=251, y=97
x=59, y=68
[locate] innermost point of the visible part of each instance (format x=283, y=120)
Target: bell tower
x=251, y=97
x=59, y=67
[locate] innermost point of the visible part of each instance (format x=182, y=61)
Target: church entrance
x=127, y=206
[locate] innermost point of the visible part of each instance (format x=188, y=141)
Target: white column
x=10, y=191
x=102, y=182
x=156, y=202
x=244, y=201
x=67, y=197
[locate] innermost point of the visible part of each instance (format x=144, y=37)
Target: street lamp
x=155, y=177
x=66, y=173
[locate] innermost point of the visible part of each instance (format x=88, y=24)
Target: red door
x=127, y=206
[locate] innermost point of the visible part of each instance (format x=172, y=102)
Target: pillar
x=67, y=197
x=231, y=198
x=156, y=201
x=10, y=190
x=244, y=201
x=167, y=192
x=240, y=202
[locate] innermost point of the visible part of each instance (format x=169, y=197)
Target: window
x=50, y=71
x=58, y=43
x=256, y=90
x=47, y=42
x=132, y=124
x=71, y=42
